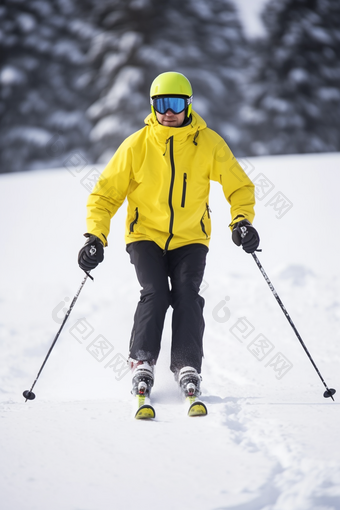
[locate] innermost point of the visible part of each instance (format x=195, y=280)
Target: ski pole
x=329, y=391
x=28, y=394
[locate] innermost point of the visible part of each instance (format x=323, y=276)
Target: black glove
x=91, y=253
x=244, y=233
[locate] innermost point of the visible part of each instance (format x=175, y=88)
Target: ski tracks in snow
x=302, y=477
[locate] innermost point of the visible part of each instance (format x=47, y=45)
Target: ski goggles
x=176, y=104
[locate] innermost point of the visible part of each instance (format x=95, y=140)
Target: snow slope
x=270, y=439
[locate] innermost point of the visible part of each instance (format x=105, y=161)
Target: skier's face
x=171, y=119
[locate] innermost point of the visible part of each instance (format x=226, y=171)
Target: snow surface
x=270, y=441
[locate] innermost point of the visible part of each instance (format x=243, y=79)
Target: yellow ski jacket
x=165, y=172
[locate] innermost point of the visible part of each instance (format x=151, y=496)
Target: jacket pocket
x=206, y=213
x=135, y=221
x=184, y=191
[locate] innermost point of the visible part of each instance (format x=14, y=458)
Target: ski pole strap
x=88, y=274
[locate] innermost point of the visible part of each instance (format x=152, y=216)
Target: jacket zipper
x=133, y=223
x=184, y=189
x=171, y=223
x=207, y=211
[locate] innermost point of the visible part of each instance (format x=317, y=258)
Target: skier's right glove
x=91, y=254
x=246, y=235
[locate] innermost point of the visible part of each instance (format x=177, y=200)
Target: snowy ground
x=270, y=441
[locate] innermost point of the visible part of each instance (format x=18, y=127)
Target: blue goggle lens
x=175, y=104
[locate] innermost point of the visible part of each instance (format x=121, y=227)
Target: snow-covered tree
x=43, y=78
x=75, y=74
x=204, y=40
x=294, y=95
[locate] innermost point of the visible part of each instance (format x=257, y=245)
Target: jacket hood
x=162, y=133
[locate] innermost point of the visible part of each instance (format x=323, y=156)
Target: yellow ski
x=145, y=411
x=196, y=408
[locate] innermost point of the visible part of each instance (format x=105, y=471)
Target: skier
x=164, y=170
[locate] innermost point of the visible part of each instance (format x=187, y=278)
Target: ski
x=189, y=382
x=196, y=406
x=141, y=390
x=145, y=411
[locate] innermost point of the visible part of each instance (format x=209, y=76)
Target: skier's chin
x=173, y=123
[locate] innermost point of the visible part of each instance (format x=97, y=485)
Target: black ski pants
x=173, y=278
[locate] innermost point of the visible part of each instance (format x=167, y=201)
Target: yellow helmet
x=171, y=84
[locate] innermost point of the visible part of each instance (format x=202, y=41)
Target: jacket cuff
x=237, y=218
x=101, y=237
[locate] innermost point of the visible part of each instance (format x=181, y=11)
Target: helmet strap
x=187, y=121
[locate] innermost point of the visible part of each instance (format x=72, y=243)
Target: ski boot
x=189, y=381
x=142, y=379
x=142, y=382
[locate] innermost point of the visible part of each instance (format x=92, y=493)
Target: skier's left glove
x=91, y=254
x=246, y=235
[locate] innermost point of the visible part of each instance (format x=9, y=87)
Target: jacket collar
x=180, y=134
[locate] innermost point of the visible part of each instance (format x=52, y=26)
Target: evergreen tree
x=294, y=95
x=75, y=74
x=43, y=79
x=204, y=40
